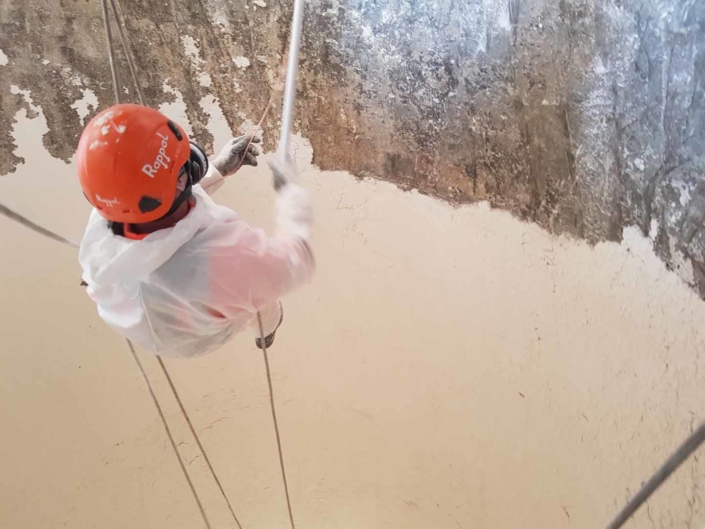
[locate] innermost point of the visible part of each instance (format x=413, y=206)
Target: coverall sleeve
x=212, y=181
x=261, y=269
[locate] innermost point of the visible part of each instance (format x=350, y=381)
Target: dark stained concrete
x=584, y=116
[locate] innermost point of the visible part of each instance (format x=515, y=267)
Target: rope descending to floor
x=198, y=441
x=291, y=81
x=135, y=80
x=168, y=433
x=660, y=476
x=274, y=419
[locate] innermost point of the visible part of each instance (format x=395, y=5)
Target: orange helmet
x=129, y=160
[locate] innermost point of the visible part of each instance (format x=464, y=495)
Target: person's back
x=183, y=283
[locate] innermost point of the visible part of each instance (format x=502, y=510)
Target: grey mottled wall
x=584, y=116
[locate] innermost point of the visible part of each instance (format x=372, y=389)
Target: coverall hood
x=108, y=258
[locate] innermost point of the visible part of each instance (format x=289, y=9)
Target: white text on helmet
x=110, y=202
x=160, y=161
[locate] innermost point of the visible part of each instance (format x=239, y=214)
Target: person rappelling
x=167, y=267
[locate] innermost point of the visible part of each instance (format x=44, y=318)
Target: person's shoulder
x=224, y=229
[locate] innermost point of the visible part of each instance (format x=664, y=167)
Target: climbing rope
x=35, y=227
x=274, y=419
x=669, y=467
x=55, y=237
x=9, y=213
x=657, y=479
x=125, y=44
x=135, y=80
x=283, y=153
x=168, y=431
x=287, y=115
x=111, y=52
x=207, y=186
x=198, y=441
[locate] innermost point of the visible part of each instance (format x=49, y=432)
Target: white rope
x=283, y=152
x=291, y=71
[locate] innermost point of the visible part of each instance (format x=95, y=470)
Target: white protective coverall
x=185, y=291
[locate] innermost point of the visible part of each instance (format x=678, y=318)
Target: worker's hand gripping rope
x=236, y=153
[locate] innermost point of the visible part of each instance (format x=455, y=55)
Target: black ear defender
x=197, y=164
x=196, y=167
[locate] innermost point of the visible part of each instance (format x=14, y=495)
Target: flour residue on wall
x=85, y=105
x=176, y=109
x=70, y=76
x=241, y=62
x=27, y=96
x=446, y=97
x=194, y=55
x=217, y=124
x=218, y=13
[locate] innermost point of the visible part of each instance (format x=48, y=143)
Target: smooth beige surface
x=447, y=368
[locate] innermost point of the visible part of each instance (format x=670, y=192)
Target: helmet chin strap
x=183, y=197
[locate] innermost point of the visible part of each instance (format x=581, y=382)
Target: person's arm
x=213, y=180
x=258, y=269
x=278, y=264
x=236, y=153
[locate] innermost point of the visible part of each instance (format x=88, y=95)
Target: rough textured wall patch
x=585, y=116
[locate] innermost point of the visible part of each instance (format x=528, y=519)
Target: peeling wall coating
x=532, y=381
x=529, y=380
x=585, y=116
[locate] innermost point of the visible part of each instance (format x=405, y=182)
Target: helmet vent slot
x=148, y=204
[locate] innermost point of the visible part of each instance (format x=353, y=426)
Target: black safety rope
x=672, y=463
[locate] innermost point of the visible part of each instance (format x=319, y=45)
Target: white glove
x=237, y=152
x=284, y=171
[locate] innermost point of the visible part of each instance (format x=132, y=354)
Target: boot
x=269, y=339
